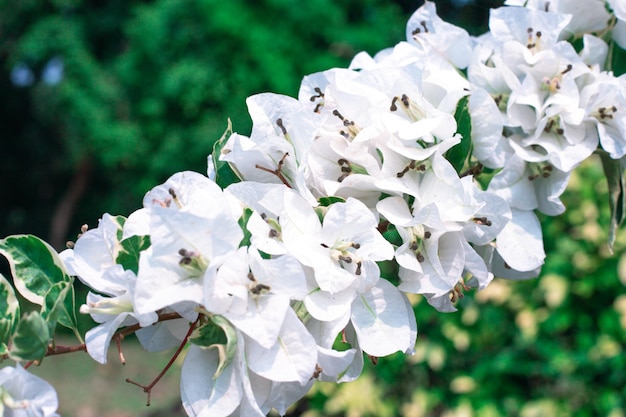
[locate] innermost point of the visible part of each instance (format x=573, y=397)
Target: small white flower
x=587, y=15
x=23, y=394
x=427, y=31
x=190, y=236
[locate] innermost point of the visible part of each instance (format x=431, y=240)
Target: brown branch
x=278, y=171
x=148, y=388
x=118, y=336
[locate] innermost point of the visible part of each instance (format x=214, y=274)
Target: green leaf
x=59, y=306
x=224, y=173
x=31, y=338
x=217, y=333
x=130, y=249
x=9, y=313
x=459, y=153
x=392, y=236
x=327, y=201
x=615, y=179
x=35, y=266
x=243, y=222
x=617, y=59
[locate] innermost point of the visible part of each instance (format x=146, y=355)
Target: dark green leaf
x=392, y=236
x=243, y=222
x=615, y=179
x=31, y=338
x=35, y=266
x=327, y=201
x=459, y=154
x=617, y=58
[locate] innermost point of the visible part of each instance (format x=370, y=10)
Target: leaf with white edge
x=217, y=333
x=31, y=338
x=208, y=397
x=119, y=226
x=9, y=313
x=617, y=196
x=59, y=306
x=35, y=266
x=130, y=249
x=381, y=320
x=224, y=173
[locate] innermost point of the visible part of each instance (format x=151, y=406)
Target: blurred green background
x=102, y=100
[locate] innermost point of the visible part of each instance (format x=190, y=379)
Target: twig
x=148, y=388
x=277, y=171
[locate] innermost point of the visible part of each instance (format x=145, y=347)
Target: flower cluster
x=432, y=156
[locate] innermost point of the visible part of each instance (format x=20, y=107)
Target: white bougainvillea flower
x=276, y=115
x=113, y=311
x=587, y=15
x=491, y=214
x=528, y=186
x=619, y=30
x=95, y=252
x=190, y=236
x=268, y=202
x=441, y=83
x=427, y=31
x=604, y=101
x=254, y=293
x=537, y=30
x=190, y=192
x=277, y=148
x=23, y=394
x=383, y=320
x=330, y=364
x=595, y=52
x=93, y=260
x=344, y=169
x=500, y=268
x=490, y=146
x=434, y=253
x=343, y=250
x=549, y=81
x=248, y=378
x=520, y=244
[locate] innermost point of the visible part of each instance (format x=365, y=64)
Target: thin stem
x=78, y=336
x=148, y=388
x=277, y=171
x=119, y=335
x=162, y=317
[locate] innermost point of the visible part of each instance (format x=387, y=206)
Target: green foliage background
x=149, y=85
